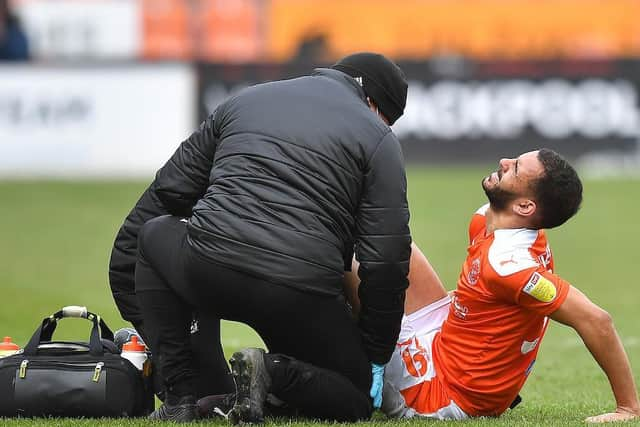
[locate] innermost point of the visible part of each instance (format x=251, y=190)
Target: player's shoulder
x=478, y=222
x=482, y=210
x=512, y=250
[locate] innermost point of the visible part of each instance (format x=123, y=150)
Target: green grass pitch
x=56, y=236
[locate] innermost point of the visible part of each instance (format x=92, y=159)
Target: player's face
x=512, y=179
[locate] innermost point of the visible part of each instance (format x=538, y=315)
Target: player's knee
x=604, y=319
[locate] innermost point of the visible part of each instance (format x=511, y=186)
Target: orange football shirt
x=498, y=315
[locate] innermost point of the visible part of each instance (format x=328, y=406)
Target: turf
x=56, y=236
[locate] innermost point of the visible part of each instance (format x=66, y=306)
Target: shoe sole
x=182, y=414
x=242, y=369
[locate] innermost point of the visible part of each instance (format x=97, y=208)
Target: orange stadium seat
x=228, y=30
x=487, y=29
x=166, y=29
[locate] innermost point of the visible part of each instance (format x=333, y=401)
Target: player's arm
x=595, y=327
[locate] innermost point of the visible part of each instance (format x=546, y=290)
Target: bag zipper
x=97, y=368
x=23, y=368
x=96, y=372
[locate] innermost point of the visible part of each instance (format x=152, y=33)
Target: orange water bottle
x=7, y=348
x=135, y=352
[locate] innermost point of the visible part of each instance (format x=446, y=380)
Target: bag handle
x=49, y=324
x=80, y=313
x=77, y=312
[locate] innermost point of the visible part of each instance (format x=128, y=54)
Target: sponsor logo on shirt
x=508, y=261
x=459, y=310
x=474, y=272
x=540, y=288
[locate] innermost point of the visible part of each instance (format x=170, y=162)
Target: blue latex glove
x=377, y=372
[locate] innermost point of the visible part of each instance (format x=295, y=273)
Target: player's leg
x=411, y=371
x=425, y=287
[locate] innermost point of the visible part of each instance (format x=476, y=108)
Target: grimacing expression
x=512, y=180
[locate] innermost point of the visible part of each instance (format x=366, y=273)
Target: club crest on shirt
x=474, y=272
x=540, y=288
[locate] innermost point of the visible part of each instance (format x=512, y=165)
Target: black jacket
x=283, y=182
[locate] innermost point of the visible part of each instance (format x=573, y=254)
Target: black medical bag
x=72, y=379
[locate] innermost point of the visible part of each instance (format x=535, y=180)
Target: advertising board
x=93, y=121
x=465, y=112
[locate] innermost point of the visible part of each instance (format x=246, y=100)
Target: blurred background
x=109, y=87
x=95, y=95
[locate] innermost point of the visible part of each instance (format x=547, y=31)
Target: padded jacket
x=284, y=181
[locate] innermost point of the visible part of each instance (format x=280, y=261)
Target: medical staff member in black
x=268, y=201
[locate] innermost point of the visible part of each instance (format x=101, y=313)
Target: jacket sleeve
x=383, y=248
x=125, y=252
x=182, y=181
x=177, y=187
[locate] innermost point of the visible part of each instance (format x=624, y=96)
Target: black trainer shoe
x=179, y=410
x=216, y=405
x=252, y=386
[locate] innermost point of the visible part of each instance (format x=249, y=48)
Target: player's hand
x=611, y=417
x=377, y=382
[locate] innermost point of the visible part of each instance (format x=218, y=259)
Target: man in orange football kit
x=469, y=353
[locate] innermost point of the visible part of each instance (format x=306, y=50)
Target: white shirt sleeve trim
x=482, y=210
x=510, y=250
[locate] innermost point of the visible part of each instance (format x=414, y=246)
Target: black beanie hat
x=382, y=81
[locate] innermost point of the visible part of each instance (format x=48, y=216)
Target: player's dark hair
x=558, y=191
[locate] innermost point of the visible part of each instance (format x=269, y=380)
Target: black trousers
x=212, y=373
x=317, y=361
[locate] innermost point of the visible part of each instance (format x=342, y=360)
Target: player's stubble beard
x=499, y=198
